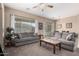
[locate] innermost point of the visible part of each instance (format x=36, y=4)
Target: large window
x=24, y=25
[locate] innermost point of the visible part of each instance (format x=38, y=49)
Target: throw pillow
x=69, y=37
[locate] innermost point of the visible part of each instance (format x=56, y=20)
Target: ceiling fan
x=40, y=4
x=45, y=4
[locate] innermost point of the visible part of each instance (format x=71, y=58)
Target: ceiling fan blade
x=35, y=6
x=41, y=3
x=38, y=5
x=50, y=6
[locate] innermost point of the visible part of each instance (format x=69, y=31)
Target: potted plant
x=8, y=35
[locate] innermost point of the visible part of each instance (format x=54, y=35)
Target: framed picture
x=69, y=25
x=59, y=26
x=40, y=26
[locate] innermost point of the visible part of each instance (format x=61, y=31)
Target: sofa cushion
x=66, y=42
x=23, y=35
x=64, y=35
x=70, y=48
x=74, y=37
x=16, y=40
x=26, y=39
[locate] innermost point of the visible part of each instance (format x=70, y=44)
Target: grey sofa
x=68, y=43
x=24, y=38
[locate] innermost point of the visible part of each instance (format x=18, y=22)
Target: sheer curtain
x=21, y=24
x=48, y=29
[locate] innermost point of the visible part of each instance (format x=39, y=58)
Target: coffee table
x=52, y=42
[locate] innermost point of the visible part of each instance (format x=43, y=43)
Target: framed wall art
x=40, y=26
x=68, y=25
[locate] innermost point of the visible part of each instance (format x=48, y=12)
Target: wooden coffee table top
x=52, y=41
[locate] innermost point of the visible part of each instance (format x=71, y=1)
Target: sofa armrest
x=75, y=43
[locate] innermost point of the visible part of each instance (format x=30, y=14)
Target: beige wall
x=9, y=11
x=75, y=24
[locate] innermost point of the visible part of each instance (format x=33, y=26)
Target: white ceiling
x=60, y=10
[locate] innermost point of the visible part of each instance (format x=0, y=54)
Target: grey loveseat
x=68, y=39
x=24, y=38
